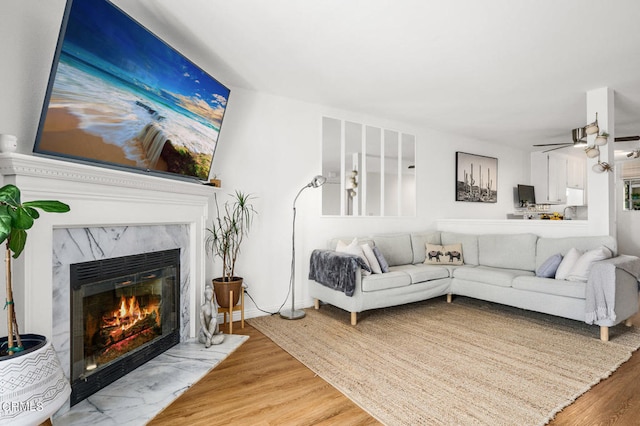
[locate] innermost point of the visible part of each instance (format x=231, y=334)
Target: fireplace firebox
x=124, y=312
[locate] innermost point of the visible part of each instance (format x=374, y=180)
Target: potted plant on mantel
x=224, y=238
x=32, y=384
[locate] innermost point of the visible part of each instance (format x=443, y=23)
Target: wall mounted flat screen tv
x=526, y=195
x=120, y=97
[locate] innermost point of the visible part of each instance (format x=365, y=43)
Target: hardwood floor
x=261, y=384
x=613, y=401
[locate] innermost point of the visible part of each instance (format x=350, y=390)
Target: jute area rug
x=465, y=363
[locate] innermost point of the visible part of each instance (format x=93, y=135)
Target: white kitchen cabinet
x=576, y=172
x=557, y=178
x=549, y=177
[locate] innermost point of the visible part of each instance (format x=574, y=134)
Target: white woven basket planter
x=32, y=384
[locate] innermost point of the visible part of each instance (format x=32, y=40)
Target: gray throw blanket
x=336, y=270
x=601, y=291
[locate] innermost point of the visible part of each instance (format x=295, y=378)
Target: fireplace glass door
x=124, y=312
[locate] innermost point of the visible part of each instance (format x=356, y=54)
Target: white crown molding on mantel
x=14, y=164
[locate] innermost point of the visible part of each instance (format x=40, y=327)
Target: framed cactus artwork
x=476, y=178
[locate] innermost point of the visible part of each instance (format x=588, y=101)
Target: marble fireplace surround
x=113, y=213
x=76, y=245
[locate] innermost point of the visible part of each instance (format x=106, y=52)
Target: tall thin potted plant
x=224, y=238
x=28, y=359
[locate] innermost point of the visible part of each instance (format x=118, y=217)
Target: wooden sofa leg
x=449, y=297
x=354, y=318
x=628, y=322
x=604, y=333
x=316, y=304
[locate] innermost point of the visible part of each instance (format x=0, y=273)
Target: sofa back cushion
x=396, y=248
x=469, y=245
x=419, y=240
x=509, y=251
x=547, y=247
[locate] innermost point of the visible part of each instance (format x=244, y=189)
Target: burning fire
x=129, y=314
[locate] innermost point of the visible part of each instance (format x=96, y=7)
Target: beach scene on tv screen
x=122, y=96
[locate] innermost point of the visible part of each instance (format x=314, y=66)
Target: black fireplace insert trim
x=90, y=272
x=87, y=272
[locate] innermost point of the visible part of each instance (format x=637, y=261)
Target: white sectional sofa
x=496, y=268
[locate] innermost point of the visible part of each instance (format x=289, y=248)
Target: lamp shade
x=317, y=181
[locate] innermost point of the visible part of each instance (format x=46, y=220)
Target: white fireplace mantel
x=69, y=172
x=98, y=197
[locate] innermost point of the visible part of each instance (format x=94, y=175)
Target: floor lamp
x=293, y=313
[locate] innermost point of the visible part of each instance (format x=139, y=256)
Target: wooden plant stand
x=232, y=309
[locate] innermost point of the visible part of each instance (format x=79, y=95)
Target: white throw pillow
x=353, y=248
x=371, y=258
x=567, y=263
x=581, y=269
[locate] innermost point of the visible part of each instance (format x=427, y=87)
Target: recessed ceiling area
x=510, y=72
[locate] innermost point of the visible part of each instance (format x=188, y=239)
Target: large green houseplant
x=28, y=360
x=224, y=238
x=15, y=218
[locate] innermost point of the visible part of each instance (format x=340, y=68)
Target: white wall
x=269, y=146
x=29, y=32
x=628, y=222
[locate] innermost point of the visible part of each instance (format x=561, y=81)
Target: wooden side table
x=232, y=309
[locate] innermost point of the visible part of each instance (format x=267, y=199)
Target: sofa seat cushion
x=575, y=289
x=392, y=279
x=488, y=275
x=421, y=273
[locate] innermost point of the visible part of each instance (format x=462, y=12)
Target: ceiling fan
x=636, y=152
x=579, y=137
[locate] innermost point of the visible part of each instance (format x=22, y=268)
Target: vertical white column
x=382, y=171
x=400, y=175
x=601, y=186
x=362, y=173
x=343, y=161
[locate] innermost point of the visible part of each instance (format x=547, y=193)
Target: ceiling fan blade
x=554, y=144
x=559, y=147
x=627, y=138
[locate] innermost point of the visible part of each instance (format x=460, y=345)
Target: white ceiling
x=512, y=72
